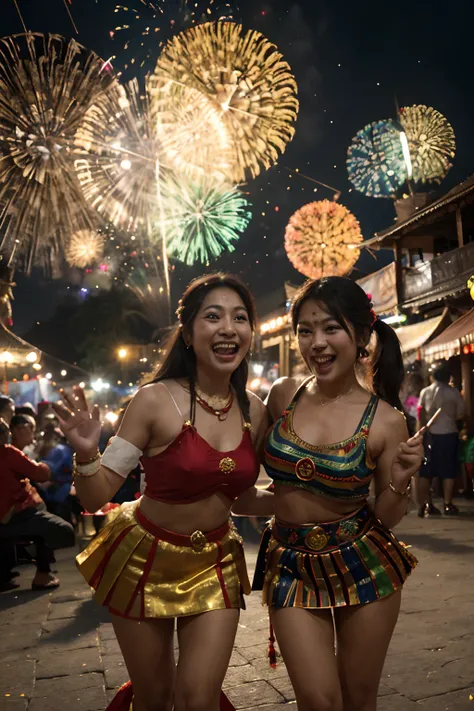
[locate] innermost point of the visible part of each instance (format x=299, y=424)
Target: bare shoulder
x=149, y=419
x=153, y=393
x=257, y=406
x=390, y=420
x=258, y=413
x=152, y=398
x=281, y=395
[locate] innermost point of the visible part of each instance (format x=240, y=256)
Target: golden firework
x=431, y=142
x=192, y=135
x=322, y=239
x=247, y=81
x=121, y=179
x=84, y=248
x=49, y=88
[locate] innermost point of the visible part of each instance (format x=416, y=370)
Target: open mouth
x=323, y=363
x=225, y=349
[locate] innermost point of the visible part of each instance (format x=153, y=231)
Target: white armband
x=121, y=457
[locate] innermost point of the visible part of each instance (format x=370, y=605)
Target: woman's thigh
x=147, y=648
x=363, y=636
x=306, y=641
x=205, y=647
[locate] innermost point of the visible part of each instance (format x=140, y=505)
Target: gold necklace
x=215, y=402
x=329, y=402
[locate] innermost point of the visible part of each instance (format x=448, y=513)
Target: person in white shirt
x=442, y=441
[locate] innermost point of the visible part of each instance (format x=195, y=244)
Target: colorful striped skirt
x=139, y=570
x=351, y=561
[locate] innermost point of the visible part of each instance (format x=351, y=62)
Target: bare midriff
x=299, y=507
x=204, y=515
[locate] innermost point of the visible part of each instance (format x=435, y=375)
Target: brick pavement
x=58, y=649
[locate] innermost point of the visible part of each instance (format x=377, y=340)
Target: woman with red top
x=174, y=554
x=330, y=568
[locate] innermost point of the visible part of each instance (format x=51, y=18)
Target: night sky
x=352, y=62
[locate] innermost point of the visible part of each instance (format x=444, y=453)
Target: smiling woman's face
x=328, y=350
x=221, y=333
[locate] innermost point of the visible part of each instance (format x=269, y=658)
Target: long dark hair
x=180, y=361
x=348, y=303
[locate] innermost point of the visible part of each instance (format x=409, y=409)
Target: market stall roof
x=455, y=195
x=458, y=330
x=416, y=335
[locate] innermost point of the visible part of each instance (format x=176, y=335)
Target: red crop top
x=189, y=469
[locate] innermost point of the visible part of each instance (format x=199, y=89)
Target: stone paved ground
x=58, y=649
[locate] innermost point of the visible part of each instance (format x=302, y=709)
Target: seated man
x=23, y=514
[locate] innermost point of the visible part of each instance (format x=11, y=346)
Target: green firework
x=202, y=219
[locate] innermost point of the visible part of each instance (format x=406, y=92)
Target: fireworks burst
x=246, y=79
x=321, y=239
x=202, y=219
x=144, y=29
x=431, y=142
x=375, y=161
x=49, y=88
x=193, y=138
x=144, y=140
x=84, y=248
x=120, y=180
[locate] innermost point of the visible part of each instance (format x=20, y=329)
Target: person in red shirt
x=23, y=513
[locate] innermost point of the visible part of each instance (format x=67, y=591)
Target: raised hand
x=80, y=425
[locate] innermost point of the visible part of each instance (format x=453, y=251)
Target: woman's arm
x=398, y=461
x=255, y=501
x=82, y=429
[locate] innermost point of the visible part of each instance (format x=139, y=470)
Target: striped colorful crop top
x=342, y=470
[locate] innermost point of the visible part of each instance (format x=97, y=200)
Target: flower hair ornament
x=372, y=312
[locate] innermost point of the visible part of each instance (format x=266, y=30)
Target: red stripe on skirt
x=141, y=583
x=220, y=576
x=95, y=579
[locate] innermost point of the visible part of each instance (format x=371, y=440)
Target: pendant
x=305, y=469
x=227, y=465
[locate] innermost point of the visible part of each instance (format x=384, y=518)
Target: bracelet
x=400, y=493
x=88, y=461
x=87, y=469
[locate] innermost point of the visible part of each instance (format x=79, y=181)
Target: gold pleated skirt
x=139, y=570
